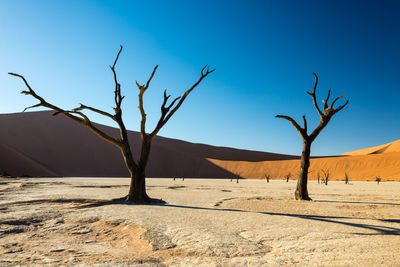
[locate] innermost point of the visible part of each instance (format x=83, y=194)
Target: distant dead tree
x=287, y=177
x=237, y=177
x=318, y=177
x=326, y=176
x=346, y=178
x=267, y=177
x=378, y=179
x=137, y=190
x=301, y=192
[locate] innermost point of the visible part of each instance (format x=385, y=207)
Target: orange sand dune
x=39, y=144
x=361, y=168
x=386, y=148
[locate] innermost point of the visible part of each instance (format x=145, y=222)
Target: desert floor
x=68, y=221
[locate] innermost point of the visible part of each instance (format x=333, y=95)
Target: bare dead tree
x=267, y=177
x=326, y=176
x=236, y=176
x=137, y=190
x=287, y=177
x=301, y=192
x=346, y=178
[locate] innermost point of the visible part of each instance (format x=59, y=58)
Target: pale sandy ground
x=205, y=223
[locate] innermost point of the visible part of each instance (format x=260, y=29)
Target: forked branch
x=117, y=92
x=142, y=90
x=166, y=112
x=329, y=111
x=302, y=131
x=314, y=97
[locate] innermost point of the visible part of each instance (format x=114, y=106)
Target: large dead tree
x=301, y=192
x=136, y=168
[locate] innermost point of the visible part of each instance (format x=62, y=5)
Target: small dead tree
x=237, y=177
x=301, y=192
x=378, y=179
x=137, y=190
x=287, y=177
x=267, y=177
x=326, y=176
x=346, y=178
x=318, y=177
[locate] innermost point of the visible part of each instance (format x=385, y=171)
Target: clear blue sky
x=264, y=52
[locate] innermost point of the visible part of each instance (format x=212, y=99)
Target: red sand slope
x=386, y=148
x=359, y=168
x=38, y=144
x=364, y=164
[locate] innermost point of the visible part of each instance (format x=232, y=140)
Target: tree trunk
x=301, y=189
x=137, y=190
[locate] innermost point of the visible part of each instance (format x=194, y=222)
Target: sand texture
x=69, y=221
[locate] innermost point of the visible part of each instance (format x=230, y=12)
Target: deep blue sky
x=264, y=52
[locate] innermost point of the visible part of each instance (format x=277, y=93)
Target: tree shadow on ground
x=82, y=203
x=359, y=202
x=380, y=230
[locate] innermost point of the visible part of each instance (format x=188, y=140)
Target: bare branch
x=151, y=77
x=341, y=107
x=305, y=123
x=165, y=99
x=326, y=100
x=334, y=101
x=117, y=92
x=173, y=102
x=295, y=124
x=116, y=59
x=69, y=114
x=314, y=97
x=165, y=109
x=142, y=89
x=34, y=106
x=164, y=119
x=82, y=107
x=142, y=113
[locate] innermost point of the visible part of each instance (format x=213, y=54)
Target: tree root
x=136, y=200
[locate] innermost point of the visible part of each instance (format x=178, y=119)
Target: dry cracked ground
x=71, y=222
